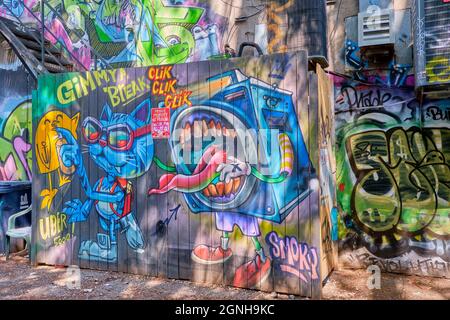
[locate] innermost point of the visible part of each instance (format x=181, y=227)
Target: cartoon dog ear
x=106, y=113
x=142, y=113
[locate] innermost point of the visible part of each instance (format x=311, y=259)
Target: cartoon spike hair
x=47, y=138
x=47, y=144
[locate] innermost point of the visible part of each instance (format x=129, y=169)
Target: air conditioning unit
x=431, y=28
x=375, y=27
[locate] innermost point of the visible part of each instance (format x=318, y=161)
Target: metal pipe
x=86, y=43
x=42, y=32
x=54, y=36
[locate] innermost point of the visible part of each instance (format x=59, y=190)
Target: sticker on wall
x=161, y=123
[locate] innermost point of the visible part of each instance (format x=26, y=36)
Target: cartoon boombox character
x=256, y=126
x=241, y=155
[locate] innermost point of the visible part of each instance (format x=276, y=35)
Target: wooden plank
x=315, y=240
x=183, y=221
x=133, y=255
x=36, y=182
x=327, y=174
x=169, y=253
x=195, y=219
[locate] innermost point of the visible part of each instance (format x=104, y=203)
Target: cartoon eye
x=91, y=132
x=271, y=102
x=197, y=29
x=118, y=138
x=173, y=40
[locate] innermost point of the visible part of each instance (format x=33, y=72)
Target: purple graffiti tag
x=298, y=259
x=22, y=148
x=8, y=170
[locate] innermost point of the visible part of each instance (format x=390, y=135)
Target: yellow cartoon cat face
x=47, y=138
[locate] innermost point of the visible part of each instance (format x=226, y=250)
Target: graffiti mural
x=391, y=70
x=133, y=33
x=15, y=141
x=15, y=118
x=393, y=178
x=397, y=75
x=198, y=173
x=15, y=144
x=127, y=33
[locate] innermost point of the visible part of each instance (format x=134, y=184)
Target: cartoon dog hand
x=76, y=211
x=70, y=151
x=233, y=168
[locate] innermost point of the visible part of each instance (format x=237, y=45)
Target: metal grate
x=375, y=28
x=437, y=40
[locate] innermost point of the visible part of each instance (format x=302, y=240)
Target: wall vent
x=375, y=27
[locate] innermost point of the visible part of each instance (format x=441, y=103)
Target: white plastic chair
x=16, y=233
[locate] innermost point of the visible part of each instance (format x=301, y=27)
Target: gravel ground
x=18, y=280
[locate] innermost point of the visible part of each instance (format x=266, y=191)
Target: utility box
x=376, y=31
x=399, y=53
x=375, y=27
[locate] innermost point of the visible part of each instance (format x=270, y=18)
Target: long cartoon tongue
x=203, y=175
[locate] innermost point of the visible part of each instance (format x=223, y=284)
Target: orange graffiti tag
x=275, y=19
x=164, y=84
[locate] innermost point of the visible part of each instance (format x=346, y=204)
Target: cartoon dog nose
x=102, y=142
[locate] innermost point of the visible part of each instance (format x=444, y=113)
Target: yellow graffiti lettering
x=101, y=76
x=44, y=231
x=52, y=226
x=87, y=84
x=275, y=19
x=58, y=241
x=126, y=93
x=438, y=69
x=65, y=92
x=177, y=100
x=112, y=73
x=113, y=95
x=80, y=86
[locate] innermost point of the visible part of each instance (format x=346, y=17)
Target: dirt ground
x=18, y=280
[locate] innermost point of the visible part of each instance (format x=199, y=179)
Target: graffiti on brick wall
x=430, y=59
x=125, y=33
x=397, y=75
x=233, y=168
x=393, y=175
x=391, y=69
x=15, y=119
x=438, y=70
x=276, y=20
x=15, y=147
